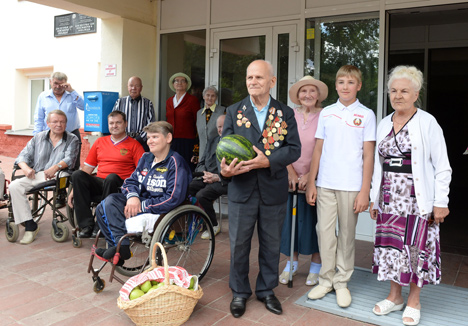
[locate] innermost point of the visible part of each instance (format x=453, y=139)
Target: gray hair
x=271, y=70
x=210, y=88
x=57, y=112
x=411, y=73
x=59, y=76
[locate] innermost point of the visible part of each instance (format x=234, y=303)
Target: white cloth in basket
x=137, y=223
x=177, y=275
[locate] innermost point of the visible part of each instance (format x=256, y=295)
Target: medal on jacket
x=274, y=132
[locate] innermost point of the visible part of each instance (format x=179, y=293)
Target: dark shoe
x=238, y=306
x=272, y=304
x=61, y=200
x=95, y=231
x=86, y=232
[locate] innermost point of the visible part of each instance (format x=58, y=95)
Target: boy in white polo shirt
x=344, y=151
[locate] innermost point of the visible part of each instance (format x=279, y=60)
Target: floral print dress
x=406, y=245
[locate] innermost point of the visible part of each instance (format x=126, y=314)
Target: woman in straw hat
x=308, y=93
x=181, y=113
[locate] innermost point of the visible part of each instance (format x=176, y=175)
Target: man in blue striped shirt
x=44, y=155
x=138, y=109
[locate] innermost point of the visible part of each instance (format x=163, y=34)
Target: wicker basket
x=168, y=305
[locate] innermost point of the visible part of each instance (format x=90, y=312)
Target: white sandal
x=413, y=313
x=284, y=277
x=386, y=307
x=312, y=279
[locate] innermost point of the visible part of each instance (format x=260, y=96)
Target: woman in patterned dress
x=409, y=196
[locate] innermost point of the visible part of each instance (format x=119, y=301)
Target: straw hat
x=308, y=80
x=179, y=74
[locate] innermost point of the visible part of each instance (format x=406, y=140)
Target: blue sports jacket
x=161, y=187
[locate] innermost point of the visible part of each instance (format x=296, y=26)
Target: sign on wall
x=73, y=24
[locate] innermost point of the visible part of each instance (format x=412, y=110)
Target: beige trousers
x=19, y=200
x=336, y=251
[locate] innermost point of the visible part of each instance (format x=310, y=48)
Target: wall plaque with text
x=73, y=24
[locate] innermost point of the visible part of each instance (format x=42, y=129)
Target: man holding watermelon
x=258, y=187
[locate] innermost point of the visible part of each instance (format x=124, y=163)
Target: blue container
x=98, y=105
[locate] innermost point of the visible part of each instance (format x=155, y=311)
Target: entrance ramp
x=442, y=305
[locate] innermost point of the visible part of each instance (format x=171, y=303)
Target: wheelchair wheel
x=11, y=231
x=99, y=285
x=62, y=233
x=180, y=232
x=139, y=258
x=77, y=243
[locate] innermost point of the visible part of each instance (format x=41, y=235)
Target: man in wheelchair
x=209, y=186
x=158, y=185
x=44, y=155
x=116, y=157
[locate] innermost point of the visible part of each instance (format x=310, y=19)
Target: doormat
x=442, y=305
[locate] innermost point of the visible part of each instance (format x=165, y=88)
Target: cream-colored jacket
x=429, y=162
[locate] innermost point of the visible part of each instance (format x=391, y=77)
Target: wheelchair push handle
x=153, y=261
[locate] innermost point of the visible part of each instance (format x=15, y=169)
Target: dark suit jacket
x=272, y=182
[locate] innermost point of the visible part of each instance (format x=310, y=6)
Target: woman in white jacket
x=409, y=196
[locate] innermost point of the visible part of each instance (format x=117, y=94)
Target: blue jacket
x=161, y=188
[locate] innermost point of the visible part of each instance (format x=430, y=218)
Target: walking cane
x=293, y=233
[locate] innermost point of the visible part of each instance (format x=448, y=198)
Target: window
x=331, y=43
x=36, y=87
x=182, y=52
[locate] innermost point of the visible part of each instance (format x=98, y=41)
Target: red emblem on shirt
x=123, y=151
x=357, y=122
x=144, y=172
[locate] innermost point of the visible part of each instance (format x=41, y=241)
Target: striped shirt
x=139, y=112
x=40, y=154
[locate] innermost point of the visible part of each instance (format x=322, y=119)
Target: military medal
x=247, y=124
x=239, y=123
x=267, y=153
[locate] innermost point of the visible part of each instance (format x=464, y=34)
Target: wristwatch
x=60, y=166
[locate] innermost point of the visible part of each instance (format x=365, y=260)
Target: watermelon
x=232, y=146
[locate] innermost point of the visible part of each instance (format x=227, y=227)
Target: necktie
x=208, y=114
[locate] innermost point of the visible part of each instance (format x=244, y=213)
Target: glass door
x=233, y=51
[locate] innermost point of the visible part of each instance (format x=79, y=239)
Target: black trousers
x=242, y=220
x=88, y=188
x=76, y=132
x=206, y=193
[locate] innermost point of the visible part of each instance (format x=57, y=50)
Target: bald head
x=134, y=87
x=220, y=124
x=260, y=79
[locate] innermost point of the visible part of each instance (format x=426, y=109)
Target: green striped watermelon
x=232, y=146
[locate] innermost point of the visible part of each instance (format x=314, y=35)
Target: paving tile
x=462, y=280
x=38, y=305
x=92, y=316
x=206, y=316
x=56, y=314
x=116, y=320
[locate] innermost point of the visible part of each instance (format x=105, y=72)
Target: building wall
x=34, y=51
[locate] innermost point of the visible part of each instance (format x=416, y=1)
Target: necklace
x=405, y=120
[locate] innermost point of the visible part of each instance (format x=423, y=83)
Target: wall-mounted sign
x=73, y=24
x=111, y=70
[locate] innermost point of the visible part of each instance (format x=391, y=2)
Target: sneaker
x=206, y=235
